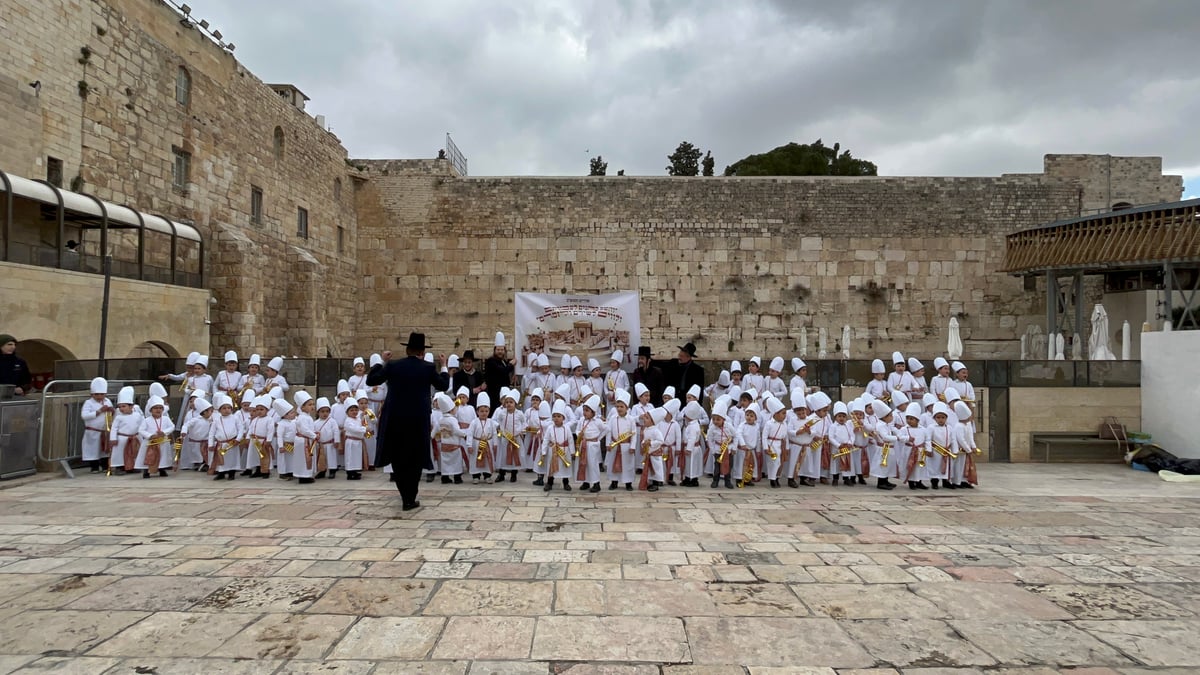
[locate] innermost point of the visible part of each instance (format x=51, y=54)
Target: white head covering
x=774, y=405
x=222, y=399
x=618, y=356
x=623, y=396
x=443, y=402
x=797, y=398
x=531, y=360
x=962, y=411
x=693, y=410
x=505, y=392
x=694, y=390
x=584, y=392
x=928, y=400
x=563, y=390
x=877, y=367
x=255, y=360
x=262, y=402
x=734, y=393
x=857, y=406
x=899, y=398
x=839, y=408
x=914, y=365
x=230, y=356
x=593, y=404
x=322, y=403
x=537, y=393
x=576, y=363
x=753, y=408
x=565, y=362
x=452, y=362
x=155, y=402
x=483, y=400
x=658, y=415
x=752, y=392
x=957, y=366
x=952, y=395
x=125, y=396
x=543, y=360
x=202, y=405
x=818, y=401
x=99, y=385
x=462, y=391
x=545, y=410
x=358, y=361
x=669, y=391
x=198, y=393
x=351, y=403
x=301, y=398
x=672, y=407
x=797, y=364
x=276, y=364
x=719, y=409
x=499, y=342
x=156, y=389
x=735, y=367
x=913, y=410
x=343, y=386
x=640, y=389
x=376, y=360
x=880, y=409
x=202, y=360
x=192, y=357
x=560, y=408
x=756, y=361
x=897, y=358
x=940, y=408
x=723, y=379
x=777, y=364
x=939, y=363
x=593, y=364
x=428, y=357
x=360, y=394
x=248, y=396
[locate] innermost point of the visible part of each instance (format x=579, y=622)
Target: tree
x=685, y=161
x=793, y=159
x=709, y=164
x=599, y=167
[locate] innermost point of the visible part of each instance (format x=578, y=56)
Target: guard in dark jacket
x=403, y=438
x=683, y=372
x=13, y=369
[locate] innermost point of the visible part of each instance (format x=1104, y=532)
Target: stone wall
x=738, y=265
x=119, y=140
x=1072, y=409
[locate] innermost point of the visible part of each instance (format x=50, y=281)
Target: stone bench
x=1071, y=446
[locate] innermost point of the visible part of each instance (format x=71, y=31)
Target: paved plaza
x=1092, y=569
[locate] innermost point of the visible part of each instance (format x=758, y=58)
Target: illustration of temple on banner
x=587, y=327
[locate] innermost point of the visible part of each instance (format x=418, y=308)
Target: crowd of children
x=590, y=427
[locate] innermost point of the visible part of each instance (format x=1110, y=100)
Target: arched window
x=183, y=87
x=337, y=189
x=278, y=143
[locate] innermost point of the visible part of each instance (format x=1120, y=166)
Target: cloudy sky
x=921, y=87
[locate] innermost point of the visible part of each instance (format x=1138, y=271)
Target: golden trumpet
x=483, y=448
x=887, y=448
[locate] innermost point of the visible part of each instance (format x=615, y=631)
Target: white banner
x=587, y=326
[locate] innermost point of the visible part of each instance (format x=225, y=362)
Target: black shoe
x=266, y=475
x=966, y=486
x=716, y=482
x=247, y=472
x=332, y=474
x=232, y=475
x=203, y=467
x=613, y=486
x=775, y=484
x=933, y=482
x=638, y=472
x=835, y=479
x=585, y=486
x=728, y=483
x=603, y=469
x=446, y=480
x=512, y=478
x=629, y=487
x=652, y=488
x=257, y=472
x=305, y=481
x=922, y=486
x=539, y=482
x=145, y=473
x=353, y=475
x=410, y=507
x=319, y=474
x=549, y=485
x=792, y=483
x=595, y=488
x=566, y=485
x=950, y=486
x=429, y=478
x=162, y=473
x=219, y=476
x=671, y=481
x=458, y=479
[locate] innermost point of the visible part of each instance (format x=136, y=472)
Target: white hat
x=275, y=393
x=857, y=406
x=514, y=394
x=928, y=400
x=505, y=392
x=202, y=360
x=428, y=357
x=797, y=363
x=462, y=391
x=777, y=364
x=753, y=408
x=623, y=396
x=658, y=415
x=560, y=408
x=255, y=360
x=940, y=363
x=198, y=393
x=537, y=393
x=202, y=405
x=155, y=402
x=545, y=410
x=618, y=356
x=751, y=392
x=192, y=357
x=322, y=403
x=774, y=405
x=563, y=390
x=819, y=401
x=940, y=408
x=694, y=390
x=262, y=402
x=693, y=410
x=962, y=411
x=669, y=391
x=585, y=391
x=915, y=365
x=360, y=395
x=483, y=400
x=880, y=409
x=351, y=403
x=797, y=398
x=443, y=402
x=913, y=410
x=125, y=396
x=897, y=358
x=952, y=395
x=735, y=367
x=231, y=356
x=756, y=361
x=343, y=386
x=734, y=393
x=531, y=360
x=248, y=396
x=576, y=363
x=957, y=366
x=877, y=367
x=499, y=342
x=839, y=408
x=565, y=361
x=723, y=379
x=593, y=403
x=156, y=389
x=376, y=360
x=543, y=360
x=593, y=364
x=99, y=385
x=222, y=399
x=452, y=362
x=719, y=409
x=640, y=389
x=899, y=398
x=301, y=398
x=276, y=364
x=358, y=361
x=867, y=397
x=672, y=407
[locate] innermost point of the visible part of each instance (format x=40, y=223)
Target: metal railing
x=60, y=413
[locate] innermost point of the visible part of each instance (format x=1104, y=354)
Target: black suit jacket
x=403, y=439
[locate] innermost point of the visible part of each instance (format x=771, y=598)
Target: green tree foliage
x=685, y=161
x=599, y=167
x=793, y=159
x=709, y=164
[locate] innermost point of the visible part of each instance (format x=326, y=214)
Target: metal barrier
x=60, y=414
x=18, y=431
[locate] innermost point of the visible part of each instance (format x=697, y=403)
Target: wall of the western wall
x=276, y=291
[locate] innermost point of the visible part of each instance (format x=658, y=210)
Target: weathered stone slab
x=583, y=638
x=745, y=640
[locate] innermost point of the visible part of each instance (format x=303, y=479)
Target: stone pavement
x=1092, y=569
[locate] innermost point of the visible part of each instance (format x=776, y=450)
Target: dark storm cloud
x=921, y=87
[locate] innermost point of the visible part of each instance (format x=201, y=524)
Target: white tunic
x=152, y=426
x=588, y=433
x=622, y=435
x=557, y=451
x=224, y=435
x=95, y=423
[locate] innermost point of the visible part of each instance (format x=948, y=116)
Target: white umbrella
x=1024, y=346
x=1051, y=345
x=803, y=342
x=846, y=342
x=1077, y=348
x=1098, y=342
x=1060, y=344
x=1126, y=348
x=822, y=338
x=954, y=347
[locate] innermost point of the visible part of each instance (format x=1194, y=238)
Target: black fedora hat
x=645, y=351
x=469, y=354
x=417, y=341
x=690, y=349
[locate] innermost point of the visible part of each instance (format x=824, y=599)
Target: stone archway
x=153, y=349
x=41, y=355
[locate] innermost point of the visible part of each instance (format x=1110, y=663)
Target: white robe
x=588, y=434
x=558, y=445
x=223, y=430
x=775, y=442
x=151, y=426
x=451, y=439
x=94, y=429
x=617, y=427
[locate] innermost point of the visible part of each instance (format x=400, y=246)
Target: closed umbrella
x=804, y=343
x=1098, y=349
x=822, y=338
x=1059, y=345
x=954, y=346
x=846, y=342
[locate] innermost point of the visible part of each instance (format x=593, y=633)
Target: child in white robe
x=652, y=449
x=916, y=369
x=328, y=436
x=307, y=450
x=913, y=446
x=358, y=378
x=259, y=438
x=672, y=443
x=275, y=378
x=721, y=444
x=192, y=450
x=615, y=380
x=530, y=444
x=286, y=447
x=805, y=455
x=254, y=382
x=155, y=435
x=589, y=431
x=97, y=413
x=693, y=442
x=942, y=381
x=900, y=379
x=943, y=443
x=224, y=438
x=883, y=449
x=354, y=433
x=450, y=437
x=481, y=440
x=775, y=439
x=774, y=382
x=622, y=439
x=841, y=443
x=754, y=379
x=749, y=446
x=123, y=436
x=510, y=434
x=878, y=387
x=963, y=471
x=557, y=447
x=229, y=381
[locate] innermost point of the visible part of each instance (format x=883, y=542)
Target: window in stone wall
x=337, y=190
x=302, y=222
x=256, y=205
x=183, y=87
x=181, y=168
x=341, y=244
x=278, y=143
x=54, y=171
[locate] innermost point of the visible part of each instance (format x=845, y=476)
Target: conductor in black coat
x=683, y=372
x=403, y=439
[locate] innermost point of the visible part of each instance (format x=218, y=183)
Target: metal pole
x=104, y=314
x=1078, y=304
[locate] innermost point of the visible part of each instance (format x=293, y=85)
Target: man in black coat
x=469, y=376
x=13, y=369
x=403, y=438
x=498, y=371
x=683, y=372
x=646, y=373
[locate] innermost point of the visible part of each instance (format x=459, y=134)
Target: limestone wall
x=1072, y=409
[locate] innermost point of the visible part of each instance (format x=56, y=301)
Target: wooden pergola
x=1158, y=238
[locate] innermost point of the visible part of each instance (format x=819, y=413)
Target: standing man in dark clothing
x=499, y=371
x=683, y=372
x=647, y=374
x=403, y=439
x=468, y=376
x=13, y=369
